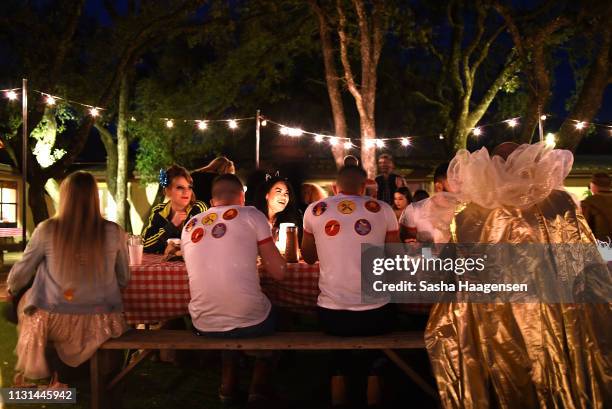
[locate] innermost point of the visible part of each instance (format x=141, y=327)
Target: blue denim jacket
x=88, y=297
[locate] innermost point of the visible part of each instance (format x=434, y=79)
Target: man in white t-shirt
x=414, y=223
x=334, y=230
x=220, y=248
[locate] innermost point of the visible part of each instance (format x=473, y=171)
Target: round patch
x=319, y=208
x=230, y=214
x=346, y=207
x=373, y=206
x=332, y=227
x=69, y=294
x=209, y=219
x=190, y=225
x=219, y=230
x=363, y=227
x=197, y=235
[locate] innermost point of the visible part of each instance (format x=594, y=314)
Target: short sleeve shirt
x=340, y=225
x=220, y=249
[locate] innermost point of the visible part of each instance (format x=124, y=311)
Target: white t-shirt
x=414, y=217
x=340, y=224
x=220, y=249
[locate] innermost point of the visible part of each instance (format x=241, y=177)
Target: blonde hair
x=79, y=230
x=220, y=165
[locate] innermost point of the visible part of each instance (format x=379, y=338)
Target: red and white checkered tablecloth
x=11, y=231
x=159, y=290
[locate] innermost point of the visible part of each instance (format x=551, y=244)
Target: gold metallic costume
x=533, y=355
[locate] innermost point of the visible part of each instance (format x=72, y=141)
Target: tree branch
x=346, y=64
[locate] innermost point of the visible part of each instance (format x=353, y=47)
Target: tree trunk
x=122, y=155
x=111, y=159
x=37, y=200
x=333, y=83
x=368, y=154
x=591, y=94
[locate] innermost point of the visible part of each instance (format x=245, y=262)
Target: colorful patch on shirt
x=69, y=294
x=332, y=228
x=319, y=208
x=230, y=214
x=209, y=219
x=346, y=207
x=190, y=225
x=197, y=235
x=373, y=206
x=219, y=230
x=363, y=227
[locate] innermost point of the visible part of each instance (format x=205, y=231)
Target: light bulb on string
x=93, y=111
x=232, y=123
x=169, y=124
x=550, y=140
x=580, y=125
x=477, y=131
x=333, y=141
x=318, y=138
x=405, y=142
x=133, y=119
x=50, y=100
x=370, y=143
x=264, y=122
x=348, y=144
x=543, y=117
x=202, y=125
x=11, y=95
x=380, y=143
x=295, y=132
x=440, y=136
x=512, y=122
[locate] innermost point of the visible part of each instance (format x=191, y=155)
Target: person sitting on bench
x=334, y=229
x=220, y=249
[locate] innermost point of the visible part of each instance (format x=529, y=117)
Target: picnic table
x=159, y=290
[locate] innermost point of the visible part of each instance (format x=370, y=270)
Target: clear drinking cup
x=135, y=249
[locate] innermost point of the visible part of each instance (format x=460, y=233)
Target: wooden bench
x=102, y=383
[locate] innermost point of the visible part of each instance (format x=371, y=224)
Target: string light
x=477, y=131
x=318, y=138
x=380, y=143
x=11, y=95
x=333, y=141
x=512, y=122
x=50, y=100
x=348, y=144
x=169, y=124
x=133, y=119
x=370, y=143
x=264, y=123
x=291, y=131
x=202, y=125
x=232, y=123
x=580, y=125
x=440, y=136
x=550, y=140
x=405, y=142
x=93, y=111
x=543, y=117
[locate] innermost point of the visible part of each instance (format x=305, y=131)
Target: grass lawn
x=301, y=379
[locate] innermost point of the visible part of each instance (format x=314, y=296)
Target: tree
x=470, y=75
x=534, y=42
x=332, y=80
x=68, y=53
x=590, y=91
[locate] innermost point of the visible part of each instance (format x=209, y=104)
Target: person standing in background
x=597, y=208
x=387, y=181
